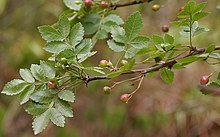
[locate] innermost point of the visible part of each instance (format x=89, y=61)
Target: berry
x=103, y=63
x=103, y=4
x=51, y=85
x=204, y=80
x=123, y=62
x=181, y=9
x=88, y=3
x=107, y=90
x=165, y=28
x=77, y=2
x=156, y=7
x=125, y=97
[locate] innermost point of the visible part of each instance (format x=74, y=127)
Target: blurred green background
x=157, y=110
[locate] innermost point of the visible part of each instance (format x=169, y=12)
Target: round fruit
x=103, y=4
x=165, y=28
x=156, y=7
x=123, y=62
x=51, y=85
x=125, y=97
x=204, y=80
x=103, y=63
x=88, y=3
x=77, y=2
x=181, y=9
x=107, y=90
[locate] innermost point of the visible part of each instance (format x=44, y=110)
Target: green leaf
x=76, y=34
x=48, y=68
x=64, y=108
x=200, y=15
x=67, y=53
x=42, y=96
x=199, y=31
x=84, y=47
x=133, y=25
x=83, y=57
x=35, y=109
x=168, y=39
x=117, y=47
x=188, y=60
x=72, y=4
x=113, y=18
x=57, y=118
x=48, y=33
x=66, y=95
x=130, y=53
x=199, y=7
x=96, y=69
x=210, y=48
x=55, y=47
x=91, y=23
x=26, y=75
x=64, y=25
x=41, y=121
x=118, y=34
x=128, y=66
x=114, y=74
x=38, y=72
x=167, y=76
x=214, y=55
x=157, y=39
x=14, y=87
x=26, y=93
x=140, y=42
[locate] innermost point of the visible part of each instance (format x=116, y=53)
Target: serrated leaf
x=72, y=4
x=199, y=7
x=114, y=74
x=26, y=93
x=41, y=122
x=35, y=109
x=113, y=18
x=48, y=68
x=168, y=39
x=84, y=47
x=140, y=42
x=157, y=39
x=64, y=25
x=200, y=30
x=55, y=47
x=214, y=55
x=57, y=118
x=96, y=69
x=200, y=15
x=48, y=33
x=117, y=47
x=67, y=53
x=83, y=57
x=38, y=72
x=167, y=76
x=66, y=95
x=14, y=87
x=26, y=75
x=210, y=48
x=64, y=108
x=91, y=23
x=76, y=34
x=118, y=34
x=130, y=53
x=188, y=60
x=101, y=34
x=42, y=96
x=133, y=25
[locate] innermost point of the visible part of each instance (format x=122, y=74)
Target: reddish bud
x=51, y=85
x=88, y=3
x=103, y=63
x=156, y=7
x=181, y=9
x=204, y=80
x=125, y=97
x=103, y=4
x=165, y=28
x=123, y=62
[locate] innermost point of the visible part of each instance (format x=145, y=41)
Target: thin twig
x=115, y=6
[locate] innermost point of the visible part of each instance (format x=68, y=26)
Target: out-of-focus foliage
x=177, y=110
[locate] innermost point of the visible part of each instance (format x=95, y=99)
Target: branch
x=115, y=6
x=210, y=89
x=154, y=68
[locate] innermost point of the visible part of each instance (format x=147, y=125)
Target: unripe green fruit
x=204, y=80
x=123, y=62
x=165, y=28
x=77, y=2
x=125, y=97
x=107, y=90
x=103, y=4
x=156, y=7
x=103, y=63
x=51, y=85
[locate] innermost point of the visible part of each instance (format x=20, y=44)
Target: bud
x=165, y=28
x=156, y=7
x=204, y=80
x=125, y=98
x=123, y=62
x=107, y=90
x=51, y=85
x=103, y=4
x=103, y=63
x=77, y=2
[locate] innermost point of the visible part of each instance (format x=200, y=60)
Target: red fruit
x=181, y=9
x=165, y=28
x=204, y=80
x=51, y=85
x=103, y=4
x=156, y=7
x=103, y=63
x=125, y=97
x=88, y=3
